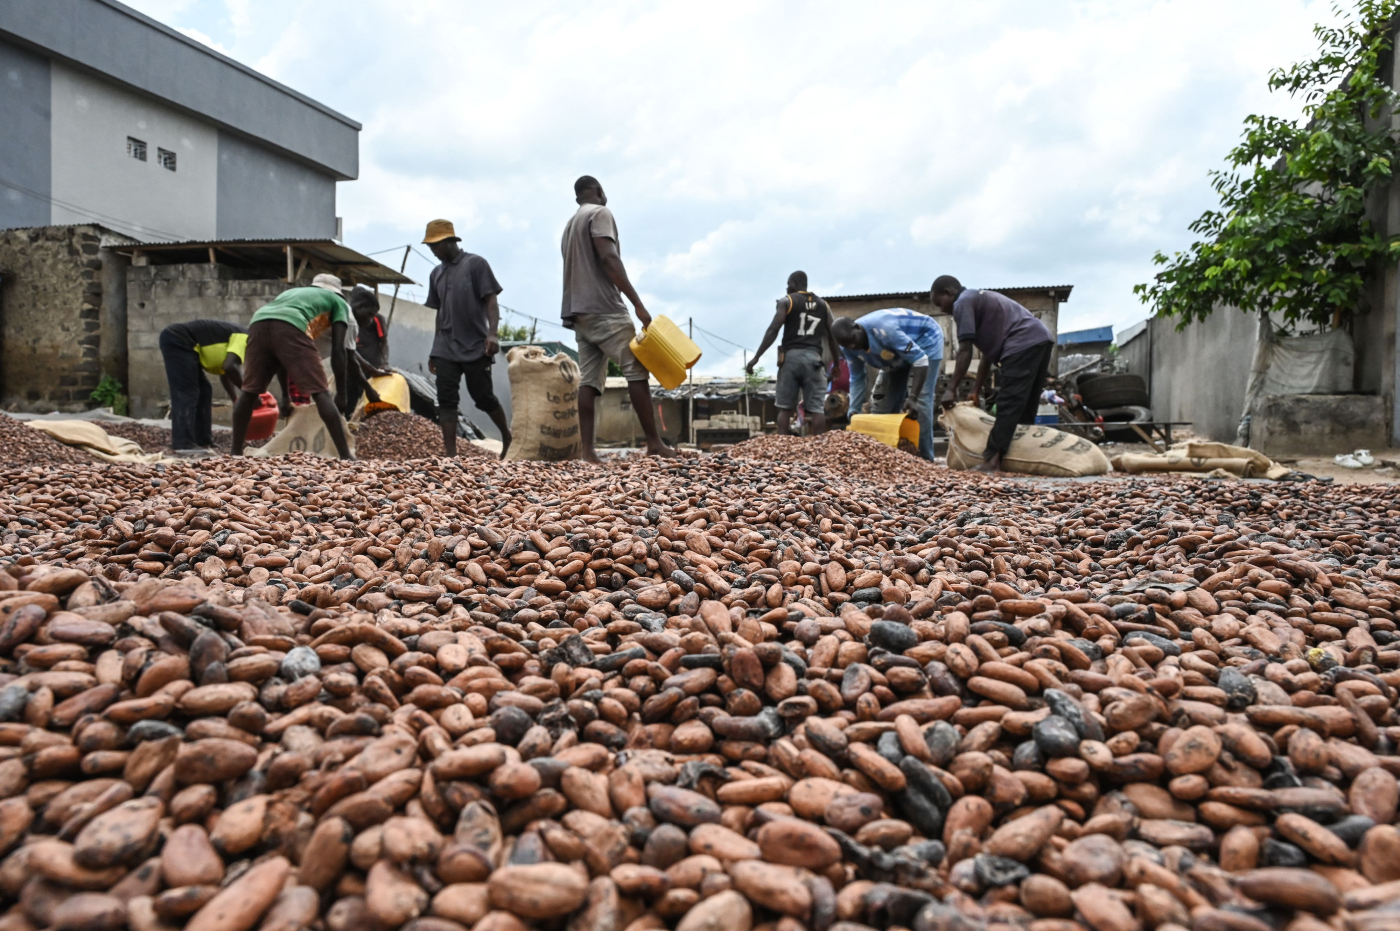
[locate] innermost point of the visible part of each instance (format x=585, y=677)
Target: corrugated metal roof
x=922, y=295
x=1102, y=334
x=324, y=254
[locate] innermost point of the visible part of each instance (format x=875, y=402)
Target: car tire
x=1116, y=420
x=1109, y=391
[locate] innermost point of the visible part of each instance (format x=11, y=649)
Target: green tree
x=1291, y=234
x=512, y=334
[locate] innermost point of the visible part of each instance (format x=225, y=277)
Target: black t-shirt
x=805, y=327
x=372, y=343
x=458, y=290
x=203, y=332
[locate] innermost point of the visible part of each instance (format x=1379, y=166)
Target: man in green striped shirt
x=281, y=338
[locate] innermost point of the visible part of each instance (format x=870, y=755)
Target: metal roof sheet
x=1102, y=334
x=923, y=294
x=324, y=254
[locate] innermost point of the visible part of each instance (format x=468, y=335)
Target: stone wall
x=159, y=295
x=50, y=317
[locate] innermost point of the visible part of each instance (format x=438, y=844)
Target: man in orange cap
x=463, y=292
x=594, y=282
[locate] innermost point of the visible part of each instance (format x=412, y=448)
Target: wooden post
x=690, y=324
x=291, y=277
x=389, y=320
x=211, y=256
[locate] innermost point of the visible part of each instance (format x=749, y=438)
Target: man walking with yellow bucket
x=594, y=282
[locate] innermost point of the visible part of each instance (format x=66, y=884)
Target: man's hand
x=493, y=347
x=749, y=368
x=381, y=373
x=371, y=395
x=643, y=316
x=432, y=366
x=950, y=397
x=911, y=408
x=972, y=399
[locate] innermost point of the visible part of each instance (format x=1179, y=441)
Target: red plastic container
x=264, y=422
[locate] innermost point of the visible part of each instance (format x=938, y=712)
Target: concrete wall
x=1313, y=424
x=24, y=138
x=93, y=177
x=129, y=48
x=1199, y=374
x=50, y=317
x=159, y=295
x=264, y=195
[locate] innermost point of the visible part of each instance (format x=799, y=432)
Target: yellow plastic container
x=887, y=428
x=665, y=351
x=392, y=389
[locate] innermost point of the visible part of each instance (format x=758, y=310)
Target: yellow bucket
x=887, y=428
x=665, y=351
x=393, y=390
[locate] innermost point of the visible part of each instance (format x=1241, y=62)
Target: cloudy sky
x=875, y=145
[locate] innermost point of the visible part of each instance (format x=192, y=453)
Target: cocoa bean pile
x=852, y=455
x=396, y=435
x=709, y=694
x=22, y=446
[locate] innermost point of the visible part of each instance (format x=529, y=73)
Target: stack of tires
x=1119, y=399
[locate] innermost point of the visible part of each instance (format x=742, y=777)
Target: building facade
x=112, y=118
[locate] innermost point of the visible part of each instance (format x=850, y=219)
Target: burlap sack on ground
x=543, y=405
x=88, y=436
x=305, y=432
x=1203, y=457
x=1036, y=449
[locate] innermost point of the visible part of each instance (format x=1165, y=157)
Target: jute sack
x=305, y=432
x=1203, y=457
x=543, y=404
x=1036, y=449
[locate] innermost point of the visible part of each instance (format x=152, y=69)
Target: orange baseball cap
x=438, y=230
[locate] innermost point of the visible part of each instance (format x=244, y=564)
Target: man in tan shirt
x=594, y=283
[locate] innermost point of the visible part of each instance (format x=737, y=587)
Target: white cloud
x=875, y=146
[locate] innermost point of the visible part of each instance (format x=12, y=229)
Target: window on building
x=136, y=149
x=166, y=159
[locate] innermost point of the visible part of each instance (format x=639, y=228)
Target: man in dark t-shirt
x=805, y=321
x=1007, y=335
x=191, y=349
x=463, y=291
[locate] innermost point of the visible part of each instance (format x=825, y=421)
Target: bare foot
x=661, y=449
x=986, y=467
x=505, y=445
x=590, y=456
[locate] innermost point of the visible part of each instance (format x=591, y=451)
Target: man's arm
x=232, y=377
x=779, y=318
x=983, y=367
x=858, y=380
x=338, y=364
x=912, y=353
x=493, y=322
x=611, y=258
x=964, y=359
x=830, y=339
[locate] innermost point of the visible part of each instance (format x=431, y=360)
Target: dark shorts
x=275, y=345
x=478, y=376
x=802, y=373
